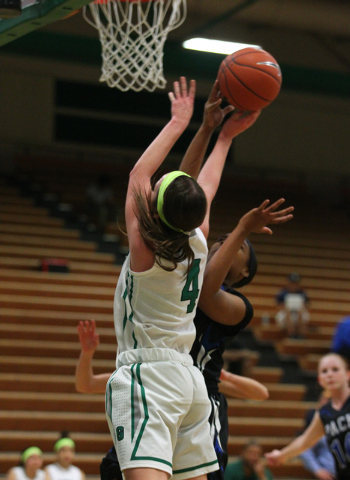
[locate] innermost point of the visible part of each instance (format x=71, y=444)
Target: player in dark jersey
x=213, y=337
x=231, y=262
x=332, y=420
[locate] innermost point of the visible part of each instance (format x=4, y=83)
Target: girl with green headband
x=156, y=401
x=30, y=467
x=63, y=469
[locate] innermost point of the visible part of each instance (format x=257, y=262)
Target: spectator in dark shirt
x=292, y=303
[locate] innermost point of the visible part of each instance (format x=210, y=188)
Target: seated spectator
x=292, y=303
x=100, y=203
x=318, y=459
x=341, y=338
x=63, y=468
x=29, y=467
x=249, y=466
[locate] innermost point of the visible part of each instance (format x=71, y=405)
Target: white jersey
x=57, y=472
x=21, y=474
x=155, y=309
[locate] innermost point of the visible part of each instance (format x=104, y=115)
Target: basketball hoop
x=132, y=35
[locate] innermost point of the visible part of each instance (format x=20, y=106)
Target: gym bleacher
x=40, y=311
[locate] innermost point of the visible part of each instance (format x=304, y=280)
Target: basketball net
x=132, y=35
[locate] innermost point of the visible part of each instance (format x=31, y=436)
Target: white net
x=132, y=35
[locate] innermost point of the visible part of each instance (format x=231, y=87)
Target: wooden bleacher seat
x=68, y=253
x=47, y=242
x=266, y=374
x=48, y=317
x=59, y=304
x=57, y=290
x=269, y=408
x=51, y=365
x=48, y=231
x=40, y=311
x=254, y=427
x=33, y=348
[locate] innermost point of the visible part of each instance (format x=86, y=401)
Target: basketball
x=250, y=79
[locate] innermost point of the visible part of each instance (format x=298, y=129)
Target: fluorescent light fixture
x=215, y=46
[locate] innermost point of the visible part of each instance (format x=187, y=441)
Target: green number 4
x=189, y=293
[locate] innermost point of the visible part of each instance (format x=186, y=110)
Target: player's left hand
x=274, y=458
x=238, y=123
x=213, y=114
x=256, y=220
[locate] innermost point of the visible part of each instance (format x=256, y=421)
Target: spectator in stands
x=101, y=203
x=341, y=338
x=63, y=468
x=250, y=465
x=29, y=467
x=318, y=459
x=292, y=303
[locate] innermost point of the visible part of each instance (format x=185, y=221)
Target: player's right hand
x=89, y=339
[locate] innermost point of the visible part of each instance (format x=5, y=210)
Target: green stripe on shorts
x=196, y=467
x=143, y=426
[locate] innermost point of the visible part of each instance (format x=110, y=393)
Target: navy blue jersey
x=211, y=341
x=337, y=429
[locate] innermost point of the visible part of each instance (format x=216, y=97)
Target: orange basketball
x=250, y=79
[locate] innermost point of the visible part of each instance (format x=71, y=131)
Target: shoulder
x=281, y=294
x=13, y=473
x=326, y=412
x=41, y=474
x=198, y=240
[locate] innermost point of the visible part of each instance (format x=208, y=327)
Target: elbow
x=82, y=388
x=264, y=394
x=260, y=394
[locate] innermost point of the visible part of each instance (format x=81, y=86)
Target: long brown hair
x=184, y=207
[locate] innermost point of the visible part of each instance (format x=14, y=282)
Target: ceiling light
x=215, y=46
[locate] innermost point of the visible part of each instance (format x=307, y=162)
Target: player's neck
x=339, y=397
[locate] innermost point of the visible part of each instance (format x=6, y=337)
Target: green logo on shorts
x=120, y=433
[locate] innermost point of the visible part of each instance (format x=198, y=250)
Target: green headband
x=160, y=201
x=29, y=452
x=64, y=442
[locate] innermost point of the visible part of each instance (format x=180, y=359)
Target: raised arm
x=85, y=380
x=182, y=101
x=210, y=175
x=212, y=118
x=242, y=387
x=221, y=306
x=306, y=440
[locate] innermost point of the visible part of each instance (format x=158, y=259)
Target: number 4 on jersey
x=191, y=291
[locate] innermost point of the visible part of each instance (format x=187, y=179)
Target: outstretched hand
x=238, y=123
x=213, y=114
x=274, y=458
x=256, y=220
x=89, y=339
x=182, y=101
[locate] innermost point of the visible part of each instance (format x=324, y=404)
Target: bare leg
x=145, y=474
x=290, y=324
x=152, y=474
x=300, y=324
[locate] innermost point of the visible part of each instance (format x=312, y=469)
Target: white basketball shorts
x=158, y=417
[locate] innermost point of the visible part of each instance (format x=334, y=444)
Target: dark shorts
x=219, y=429
x=109, y=468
